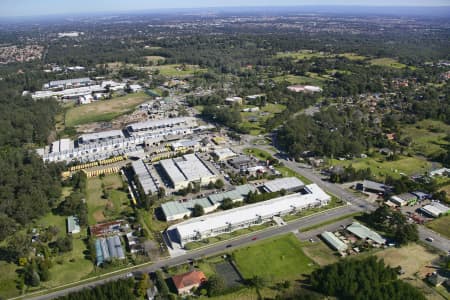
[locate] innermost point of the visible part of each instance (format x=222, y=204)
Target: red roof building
x=187, y=281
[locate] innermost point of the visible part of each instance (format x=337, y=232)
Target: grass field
x=441, y=225
x=280, y=258
x=352, y=56
x=381, y=168
x=263, y=115
x=100, y=209
x=154, y=58
x=8, y=278
x=302, y=54
x=387, y=62
x=176, y=70
x=70, y=267
x=294, y=79
x=103, y=111
x=428, y=137
x=320, y=253
x=53, y=220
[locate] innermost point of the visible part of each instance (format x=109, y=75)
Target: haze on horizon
x=11, y=8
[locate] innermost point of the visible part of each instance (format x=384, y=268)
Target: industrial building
x=181, y=123
x=85, y=81
x=177, y=210
x=73, y=225
x=409, y=198
x=435, y=209
x=108, y=248
x=186, y=169
x=289, y=184
x=144, y=176
x=365, y=233
x=72, y=93
x=99, y=137
x=334, y=241
x=246, y=216
x=223, y=153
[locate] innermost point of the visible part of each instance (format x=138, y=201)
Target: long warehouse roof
x=243, y=214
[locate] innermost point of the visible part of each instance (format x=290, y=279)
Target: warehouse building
x=435, y=209
x=365, y=233
x=289, y=184
x=177, y=210
x=144, y=176
x=186, y=169
x=246, y=216
x=182, y=123
x=99, y=137
x=85, y=81
x=409, y=198
x=223, y=154
x=334, y=241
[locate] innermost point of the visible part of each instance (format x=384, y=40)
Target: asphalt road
x=219, y=247
x=356, y=205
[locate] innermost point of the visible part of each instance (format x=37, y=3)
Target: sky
x=10, y=8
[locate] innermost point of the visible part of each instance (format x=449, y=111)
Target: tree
x=227, y=203
x=219, y=184
x=143, y=285
x=63, y=244
x=198, y=210
x=161, y=283
x=215, y=285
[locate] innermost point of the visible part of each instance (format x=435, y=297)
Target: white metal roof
x=287, y=183
x=160, y=123
x=172, y=170
x=145, y=178
x=102, y=135
x=238, y=215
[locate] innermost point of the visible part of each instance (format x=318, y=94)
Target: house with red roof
x=187, y=281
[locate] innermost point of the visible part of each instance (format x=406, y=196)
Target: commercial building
x=289, y=184
x=241, y=162
x=181, y=125
x=409, y=198
x=108, y=248
x=85, y=81
x=365, y=233
x=99, y=137
x=144, y=176
x=246, y=216
x=435, y=209
x=373, y=187
x=440, y=172
x=185, y=145
x=304, y=88
x=184, y=283
x=186, y=169
x=232, y=100
x=398, y=201
x=72, y=93
x=73, y=225
x=334, y=241
x=177, y=210
x=223, y=153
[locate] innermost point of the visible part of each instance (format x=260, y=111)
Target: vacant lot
x=320, y=253
x=101, y=206
x=387, y=62
x=441, y=225
x=415, y=260
x=277, y=259
x=105, y=110
x=428, y=137
x=294, y=79
x=177, y=70
x=381, y=168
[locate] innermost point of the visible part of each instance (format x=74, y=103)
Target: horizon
x=11, y=9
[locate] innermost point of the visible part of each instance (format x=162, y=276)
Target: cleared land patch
x=278, y=258
x=387, y=62
x=105, y=110
x=441, y=225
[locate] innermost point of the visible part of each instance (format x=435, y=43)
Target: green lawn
x=320, y=253
x=381, y=168
x=53, y=220
x=258, y=153
x=8, y=278
x=177, y=70
x=441, y=225
x=104, y=110
x=73, y=267
x=294, y=79
x=100, y=209
x=353, y=56
x=262, y=115
x=279, y=258
x=428, y=137
x=302, y=54
x=387, y=62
